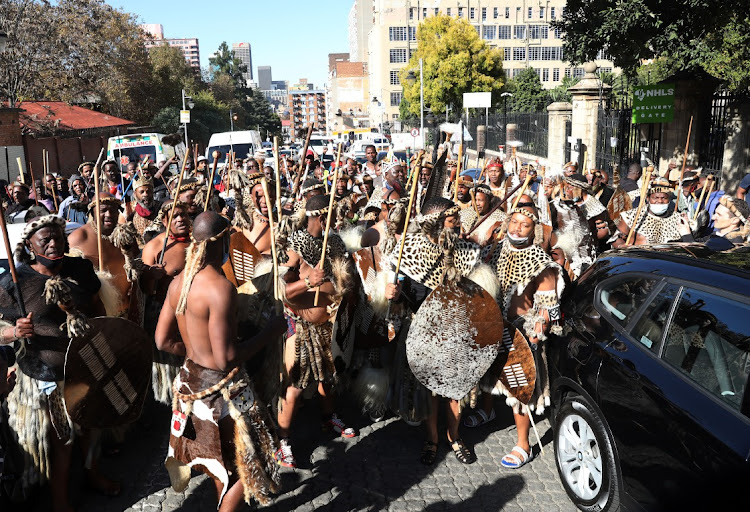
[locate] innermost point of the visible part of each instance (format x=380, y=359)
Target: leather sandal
x=479, y=418
x=462, y=452
x=429, y=453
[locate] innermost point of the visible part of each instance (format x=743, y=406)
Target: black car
x=650, y=384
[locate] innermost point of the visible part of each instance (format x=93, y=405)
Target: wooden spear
x=171, y=213
x=302, y=159
x=644, y=189
x=274, y=254
x=459, y=164
x=710, y=185
x=277, y=171
x=325, y=236
x=684, y=154
x=33, y=184
x=20, y=169
x=98, y=217
x=210, y=184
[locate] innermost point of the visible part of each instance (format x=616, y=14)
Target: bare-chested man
x=117, y=260
x=213, y=394
x=377, y=232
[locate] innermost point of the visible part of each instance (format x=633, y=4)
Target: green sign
x=653, y=103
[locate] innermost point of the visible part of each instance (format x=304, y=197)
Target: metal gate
x=620, y=142
x=714, y=138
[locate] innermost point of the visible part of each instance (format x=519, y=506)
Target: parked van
x=244, y=143
x=134, y=147
x=357, y=149
x=318, y=142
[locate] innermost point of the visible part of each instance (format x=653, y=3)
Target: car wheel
x=585, y=457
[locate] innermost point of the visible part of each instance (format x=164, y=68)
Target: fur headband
x=527, y=213
x=21, y=253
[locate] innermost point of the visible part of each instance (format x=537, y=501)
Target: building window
x=519, y=53
x=541, y=13
x=412, y=33
x=507, y=13
x=503, y=32
x=411, y=13
x=538, y=73
x=484, y=14
x=516, y=72
x=556, y=74
x=472, y=13
x=495, y=13
x=519, y=31
x=397, y=33
x=600, y=71
x=552, y=13
x=437, y=11
x=394, y=78
x=448, y=11
x=488, y=32
x=398, y=56
x=558, y=33
x=538, y=31
x=578, y=73
x=424, y=12
x=395, y=99
x=545, y=75
x=531, y=12
x=476, y=27
x=567, y=73
x=507, y=52
x=460, y=12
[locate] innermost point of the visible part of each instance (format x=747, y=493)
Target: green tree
x=170, y=74
x=712, y=35
x=528, y=95
x=225, y=62
x=560, y=93
x=455, y=61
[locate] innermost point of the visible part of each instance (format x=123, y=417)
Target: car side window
x=649, y=328
x=709, y=341
x=621, y=299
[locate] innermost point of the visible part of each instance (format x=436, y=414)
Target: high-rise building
x=188, y=46
x=264, y=78
x=518, y=28
x=243, y=52
x=347, y=97
x=307, y=107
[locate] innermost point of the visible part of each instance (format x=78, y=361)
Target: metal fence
x=531, y=128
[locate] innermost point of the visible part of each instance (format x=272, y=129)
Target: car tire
x=585, y=457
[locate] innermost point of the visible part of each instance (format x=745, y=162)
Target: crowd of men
x=401, y=283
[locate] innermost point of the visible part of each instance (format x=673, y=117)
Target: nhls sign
x=653, y=103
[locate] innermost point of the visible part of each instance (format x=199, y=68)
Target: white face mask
x=517, y=241
x=658, y=209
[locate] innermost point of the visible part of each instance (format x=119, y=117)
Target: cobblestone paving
x=379, y=470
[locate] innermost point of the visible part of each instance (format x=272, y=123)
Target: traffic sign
x=415, y=132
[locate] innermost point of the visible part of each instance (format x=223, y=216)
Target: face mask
x=517, y=241
x=48, y=262
x=658, y=209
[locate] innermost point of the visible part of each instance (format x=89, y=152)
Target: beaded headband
x=527, y=213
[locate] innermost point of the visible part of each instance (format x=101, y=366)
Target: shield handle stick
x=644, y=188
x=210, y=184
x=325, y=236
x=412, y=193
x=98, y=213
x=171, y=212
x=274, y=254
x=302, y=159
x=684, y=154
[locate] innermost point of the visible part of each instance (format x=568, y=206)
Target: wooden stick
x=11, y=261
x=520, y=192
x=708, y=198
x=33, y=184
x=20, y=169
x=505, y=225
x=700, y=200
x=337, y=164
x=684, y=154
x=585, y=162
x=644, y=189
x=458, y=166
x=98, y=219
x=274, y=254
x=325, y=236
x=171, y=213
x=277, y=173
x=494, y=208
x=210, y=184
x=302, y=159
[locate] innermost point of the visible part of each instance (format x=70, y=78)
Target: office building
x=243, y=52
x=188, y=46
x=306, y=107
x=264, y=78
x=519, y=28
x=347, y=94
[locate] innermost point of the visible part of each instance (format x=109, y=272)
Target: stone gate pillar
x=559, y=113
x=586, y=99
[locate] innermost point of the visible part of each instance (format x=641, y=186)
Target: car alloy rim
x=578, y=457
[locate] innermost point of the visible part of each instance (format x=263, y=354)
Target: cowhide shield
x=243, y=256
x=454, y=338
x=514, y=365
x=342, y=340
x=372, y=330
x=107, y=373
x=618, y=203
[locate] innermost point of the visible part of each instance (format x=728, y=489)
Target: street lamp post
x=190, y=104
x=410, y=78
x=505, y=96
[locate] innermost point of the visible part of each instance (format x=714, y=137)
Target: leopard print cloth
x=592, y=207
x=657, y=230
x=423, y=260
x=310, y=248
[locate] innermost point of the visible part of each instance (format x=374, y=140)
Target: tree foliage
x=455, y=61
x=225, y=62
x=712, y=35
x=528, y=94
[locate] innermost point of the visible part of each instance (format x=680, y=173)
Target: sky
x=294, y=37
